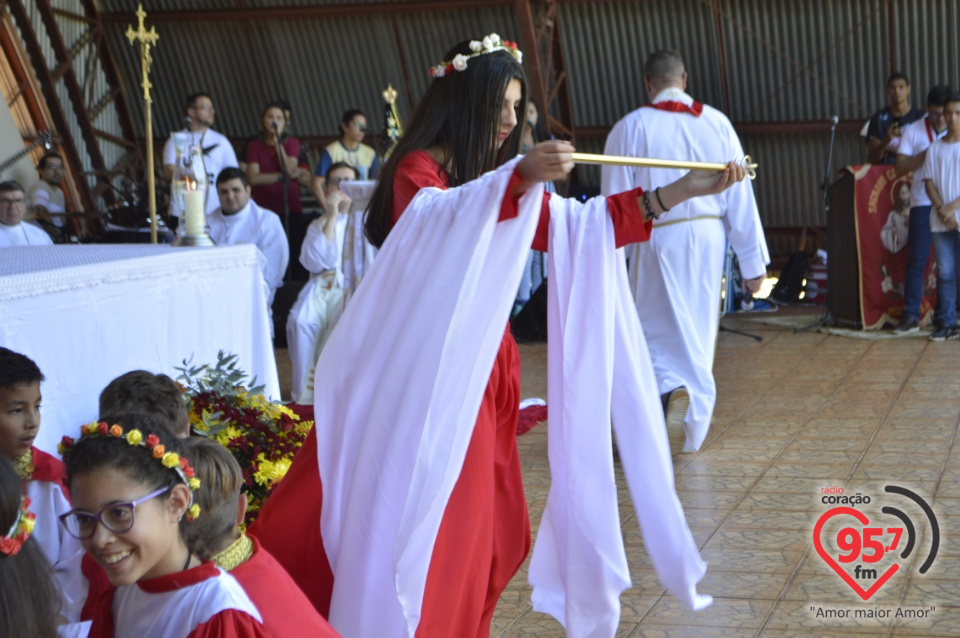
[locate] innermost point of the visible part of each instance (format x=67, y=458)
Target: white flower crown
x=489, y=44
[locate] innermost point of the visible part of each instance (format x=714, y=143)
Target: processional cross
x=147, y=39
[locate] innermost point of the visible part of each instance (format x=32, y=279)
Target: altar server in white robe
x=676, y=275
x=13, y=230
x=321, y=301
x=240, y=221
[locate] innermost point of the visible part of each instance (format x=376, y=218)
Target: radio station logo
x=858, y=548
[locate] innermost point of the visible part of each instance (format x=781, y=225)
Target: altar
x=87, y=314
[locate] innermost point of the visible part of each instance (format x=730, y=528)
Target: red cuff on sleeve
x=629, y=224
x=509, y=208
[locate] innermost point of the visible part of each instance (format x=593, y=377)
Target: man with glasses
x=350, y=150
x=13, y=230
x=914, y=142
x=218, y=153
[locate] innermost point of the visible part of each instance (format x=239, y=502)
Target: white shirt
x=917, y=137
x=319, y=254
x=942, y=167
x=219, y=156
x=23, y=235
x=51, y=198
x=260, y=227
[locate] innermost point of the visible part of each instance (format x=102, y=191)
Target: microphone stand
x=827, y=318
x=285, y=175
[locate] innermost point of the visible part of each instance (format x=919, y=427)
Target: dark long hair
x=459, y=114
x=29, y=602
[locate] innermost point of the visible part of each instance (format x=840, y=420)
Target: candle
x=194, y=216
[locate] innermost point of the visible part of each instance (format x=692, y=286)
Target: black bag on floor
x=790, y=284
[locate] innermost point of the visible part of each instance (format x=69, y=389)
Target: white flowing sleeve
x=742, y=222
x=599, y=369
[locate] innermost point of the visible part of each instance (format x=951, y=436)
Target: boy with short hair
x=942, y=180
x=216, y=536
x=40, y=474
x=140, y=392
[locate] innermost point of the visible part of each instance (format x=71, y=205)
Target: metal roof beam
x=34, y=50
x=298, y=13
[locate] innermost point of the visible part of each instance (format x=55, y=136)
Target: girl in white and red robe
x=425, y=528
x=130, y=490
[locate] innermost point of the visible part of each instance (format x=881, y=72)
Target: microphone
x=834, y=119
x=274, y=126
x=187, y=122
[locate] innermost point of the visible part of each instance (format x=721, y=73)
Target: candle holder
x=188, y=193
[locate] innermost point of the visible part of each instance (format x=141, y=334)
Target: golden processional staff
x=587, y=158
x=147, y=39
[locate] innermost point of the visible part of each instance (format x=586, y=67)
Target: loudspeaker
x=530, y=324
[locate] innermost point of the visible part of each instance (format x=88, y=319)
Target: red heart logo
x=860, y=516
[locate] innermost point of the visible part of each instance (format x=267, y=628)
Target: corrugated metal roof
x=607, y=44
x=321, y=66
x=790, y=61
x=926, y=45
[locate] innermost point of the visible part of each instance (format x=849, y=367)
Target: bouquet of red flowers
x=263, y=435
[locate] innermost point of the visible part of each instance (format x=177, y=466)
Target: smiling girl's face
x=151, y=548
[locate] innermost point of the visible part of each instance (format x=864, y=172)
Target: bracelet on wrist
x=649, y=208
x=656, y=193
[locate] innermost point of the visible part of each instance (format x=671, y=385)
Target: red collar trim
x=179, y=580
x=694, y=109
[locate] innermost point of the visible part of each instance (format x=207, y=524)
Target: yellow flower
x=270, y=472
x=26, y=524
x=194, y=483
x=170, y=460
x=227, y=434
x=193, y=512
x=134, y=437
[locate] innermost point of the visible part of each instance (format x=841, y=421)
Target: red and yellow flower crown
x=489, y=44
x=170, y=460
x=17, y=535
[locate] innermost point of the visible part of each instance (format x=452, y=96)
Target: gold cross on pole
x=147, y=39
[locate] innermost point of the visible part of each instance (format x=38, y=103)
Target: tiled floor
x=794, y=414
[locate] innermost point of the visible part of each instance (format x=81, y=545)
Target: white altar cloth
x=87, y=314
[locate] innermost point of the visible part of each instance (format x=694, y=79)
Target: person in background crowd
x=941, y=175
x=321, y=301
x=217, y=151
x=349, y=149
x=916, y=139
x=681, y=267
x=884, y=129
x=13, y=209
x=47, y=201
